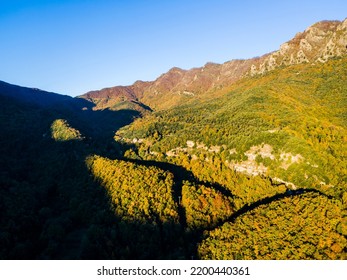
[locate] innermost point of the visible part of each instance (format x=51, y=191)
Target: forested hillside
x=274, y=143
x=288, y=125
x=251, y=168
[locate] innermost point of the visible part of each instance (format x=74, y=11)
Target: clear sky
x=73, y=46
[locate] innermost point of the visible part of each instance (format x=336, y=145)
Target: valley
x=241, y=160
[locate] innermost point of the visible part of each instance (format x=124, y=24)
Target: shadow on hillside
x=31, y=96
x=101, y=124
x=52, y=208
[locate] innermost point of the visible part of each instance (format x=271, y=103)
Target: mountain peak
x=326, y=25
x=176, y=70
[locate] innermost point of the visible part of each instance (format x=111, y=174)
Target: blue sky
x=73, y=46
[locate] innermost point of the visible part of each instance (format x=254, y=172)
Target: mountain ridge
x=316, y=44
x=31, y=95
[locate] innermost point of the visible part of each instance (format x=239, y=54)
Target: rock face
x=317, y=44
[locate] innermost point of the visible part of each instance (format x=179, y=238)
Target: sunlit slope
x=288, y=124
x=302, y=227
x=137, y=193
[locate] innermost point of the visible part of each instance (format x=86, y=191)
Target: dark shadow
x=143, y=106
x=181, y=174
x=52, y=208
x=190, y=237
x=32, y=96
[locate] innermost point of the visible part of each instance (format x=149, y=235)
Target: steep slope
x=289, y=124
x=275, y=147
x=318, y=43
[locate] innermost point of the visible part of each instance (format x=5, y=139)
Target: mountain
x=118, y=98
x=241, y=160
x=270, y=151
x=318, y=43
x=42, y=99
x=291, y=117
x=268, y=144
x=45, y=186
x=31, y=95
